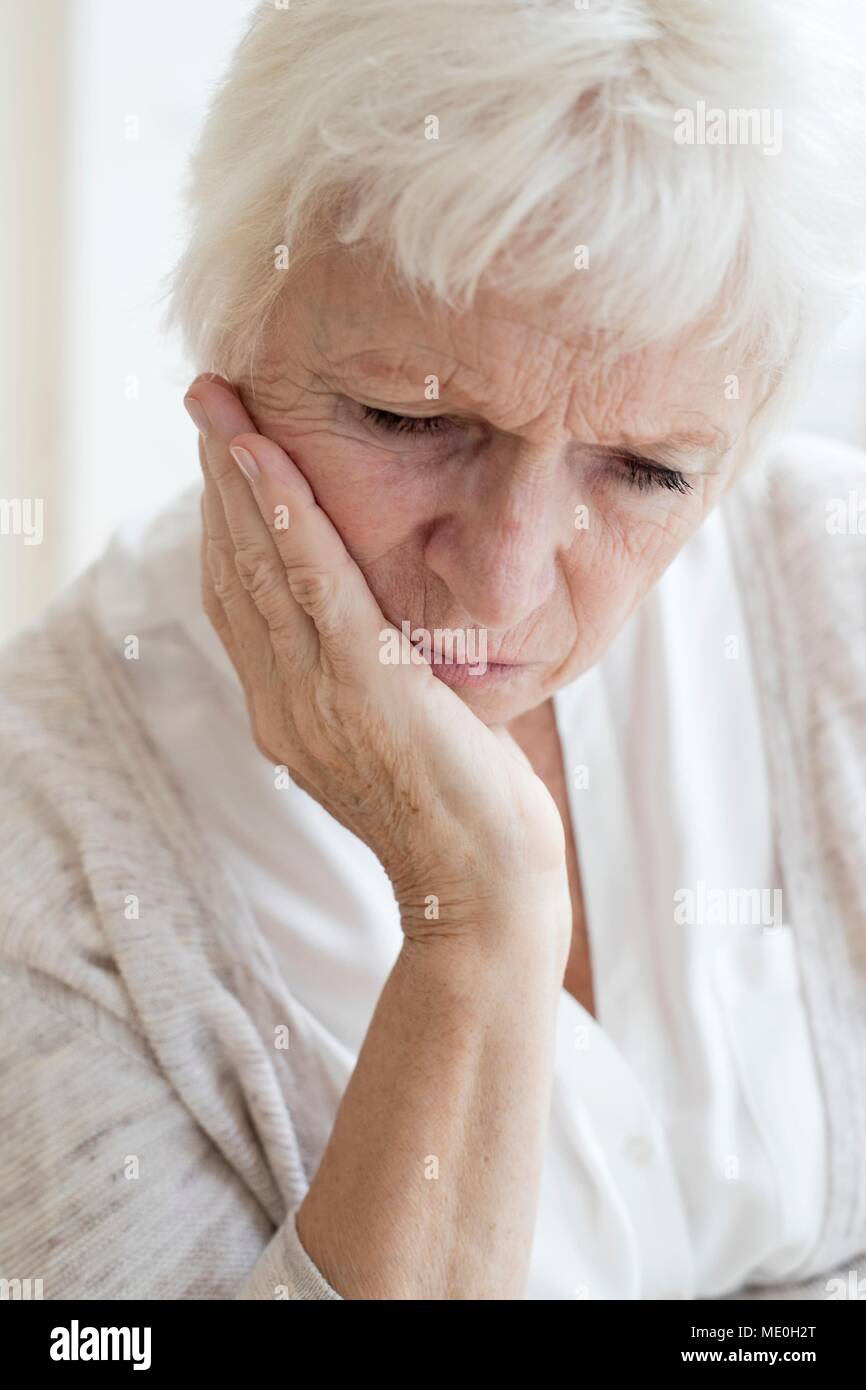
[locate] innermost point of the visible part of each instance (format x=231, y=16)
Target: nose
x=497, y=545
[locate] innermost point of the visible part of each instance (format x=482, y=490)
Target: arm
x=455, y=1071
x=429, y=1186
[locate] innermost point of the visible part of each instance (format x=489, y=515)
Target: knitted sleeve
x=285, y=1270
x=109, y=1188
x=148, y=1144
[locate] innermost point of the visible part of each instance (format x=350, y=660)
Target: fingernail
x=245, y=462
x=197, y=414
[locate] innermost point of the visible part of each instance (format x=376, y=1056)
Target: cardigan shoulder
x=808, y=538
x=816, y=511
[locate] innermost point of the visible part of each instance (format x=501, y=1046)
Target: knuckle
x=313, y=590
x=258, y=576
x=222, y=570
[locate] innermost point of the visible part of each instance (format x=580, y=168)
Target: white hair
x=483, y=141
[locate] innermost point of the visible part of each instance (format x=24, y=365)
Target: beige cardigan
x=154, y=1142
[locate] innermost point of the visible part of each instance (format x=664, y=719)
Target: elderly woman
x=434, y=851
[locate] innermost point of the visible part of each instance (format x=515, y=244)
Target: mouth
x=476, y=677
x=437, y=650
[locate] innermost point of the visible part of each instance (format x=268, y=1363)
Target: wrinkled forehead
x=511, y=363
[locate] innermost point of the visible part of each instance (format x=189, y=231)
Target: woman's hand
x=459, y=1051
x=450, y=807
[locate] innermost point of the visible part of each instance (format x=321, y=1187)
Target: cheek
x=612, y=564
x=602, y=580
x=636, y=534
x=374, y=510
x=379, y=511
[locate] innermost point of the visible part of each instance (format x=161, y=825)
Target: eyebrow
x=686, y=451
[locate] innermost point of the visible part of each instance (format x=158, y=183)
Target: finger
x=209, y=597
x=239, y=625
x=256, y=559
x=323, y=577
x=229, y=605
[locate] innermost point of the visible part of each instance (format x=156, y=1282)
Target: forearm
x=429, y=1186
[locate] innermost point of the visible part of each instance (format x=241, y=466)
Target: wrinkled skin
x=474, y=526
x=471, y=527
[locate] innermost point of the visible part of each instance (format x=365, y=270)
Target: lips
x=488, y=661
x=474, y=677
x=471, y=664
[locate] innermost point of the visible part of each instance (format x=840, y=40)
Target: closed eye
x=406, y=424
x=643, y=475
x=639, y=473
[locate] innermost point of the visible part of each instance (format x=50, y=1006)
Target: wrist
x=498, y=913
x=495, y=958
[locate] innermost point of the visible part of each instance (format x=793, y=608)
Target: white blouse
x=686, y=1148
